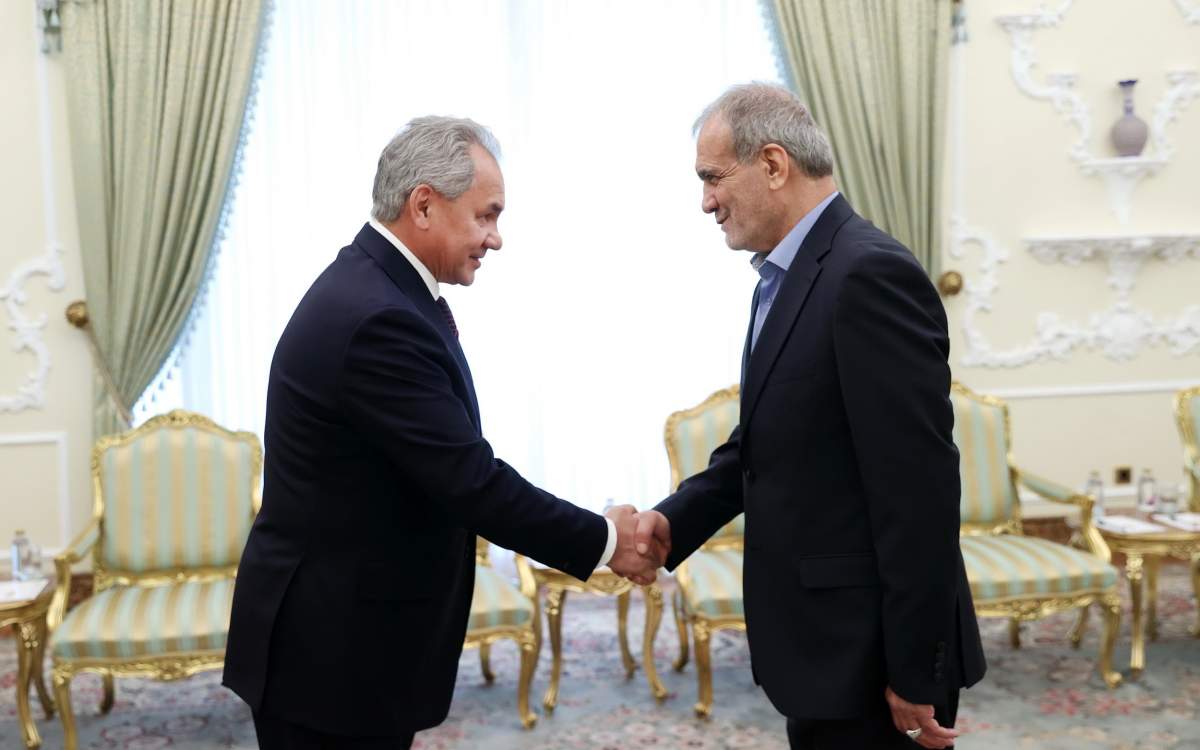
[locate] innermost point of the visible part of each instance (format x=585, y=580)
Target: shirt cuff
x=611, y=545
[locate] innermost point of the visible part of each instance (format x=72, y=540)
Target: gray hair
x=433, y=151
x=761, y=113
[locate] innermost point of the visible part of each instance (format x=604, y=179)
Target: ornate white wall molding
x=1120, y=331
x=59, y=440
x=1089, y=390
x=1183, y=87
x=1190, y=10
x=1059, y=87
x=1121, y=175
x=27, y=332
x=1125, y=255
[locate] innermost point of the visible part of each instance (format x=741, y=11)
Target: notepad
x=1185, y=521
x=1127, y=525
x=21, y=591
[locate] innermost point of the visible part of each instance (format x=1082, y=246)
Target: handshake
x=643, y=543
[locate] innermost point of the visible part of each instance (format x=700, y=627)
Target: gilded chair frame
x=1028, y=607
x=89, y=542
x=702, y=625
x=528, y=636
x=1191, y=445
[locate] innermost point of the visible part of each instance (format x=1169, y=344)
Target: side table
x=28, y=618
x=1143, y=553
x=606, y=583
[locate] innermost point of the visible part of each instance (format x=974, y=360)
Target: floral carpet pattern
x=1044, y=696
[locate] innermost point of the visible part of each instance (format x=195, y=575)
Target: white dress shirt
x=435, y=291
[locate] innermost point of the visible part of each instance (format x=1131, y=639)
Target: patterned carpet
x=1044, y=696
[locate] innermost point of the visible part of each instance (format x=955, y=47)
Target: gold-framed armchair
x=502, y=611
x=1012, y=575
x=708, y=596
x=174, y=500
x=1187, y=419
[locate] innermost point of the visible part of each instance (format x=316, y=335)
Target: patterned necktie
x=444, y=306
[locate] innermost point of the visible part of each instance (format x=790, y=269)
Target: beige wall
x=1013, y=177
x=43, y=449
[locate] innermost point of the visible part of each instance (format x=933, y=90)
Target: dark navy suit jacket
x=353, y=592
x=845, y=466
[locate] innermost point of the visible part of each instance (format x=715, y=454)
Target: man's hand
x=909, y=716
x=643, y=542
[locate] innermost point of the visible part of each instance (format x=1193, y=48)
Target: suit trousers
x=875, y=731
x=277, y=734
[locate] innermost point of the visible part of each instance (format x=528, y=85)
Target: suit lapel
x=404, y=276
x=796, y=285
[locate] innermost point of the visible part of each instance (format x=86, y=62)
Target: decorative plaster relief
x=1120, y=331
x=1120, y=175
x=1190, y=10
x=28, y=331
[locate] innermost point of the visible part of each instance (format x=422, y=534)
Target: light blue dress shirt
x=773, y=265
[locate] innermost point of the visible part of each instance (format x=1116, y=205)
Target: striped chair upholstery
x=1009, y=566
x=133, y=622
x=714, y=583
x=174, y=502
x=693, y=434
x=981, y=434
x=175, y=497
x=1012, y=575
x=501, y=610
x=709, y=596
x=1187, y=419
x=497, y=602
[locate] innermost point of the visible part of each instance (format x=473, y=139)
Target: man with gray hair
x=354, y=590
x=857, y=606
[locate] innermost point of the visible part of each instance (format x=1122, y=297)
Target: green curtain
x=157, y=95
x=875, y=75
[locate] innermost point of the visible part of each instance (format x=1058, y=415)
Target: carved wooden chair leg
x=681, y=628
x=110, y=693
x=1080, y=627
x=1110, y=607
x=485, y=663
x=700, y=635
x=62, y=696
x=1014, y=632
x=529, y=660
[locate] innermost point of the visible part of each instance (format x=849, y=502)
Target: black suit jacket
x=845, y=466
x=354, y=589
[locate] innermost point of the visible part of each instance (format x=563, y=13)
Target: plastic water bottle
x=1094, y=488
x=21, y=557
x=1147, y=492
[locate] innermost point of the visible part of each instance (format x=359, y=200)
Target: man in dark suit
x=354, y=589
x=858, y=612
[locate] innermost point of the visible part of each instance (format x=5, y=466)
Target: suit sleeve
x=705, y=502
x=891, y=345
x=396, y=390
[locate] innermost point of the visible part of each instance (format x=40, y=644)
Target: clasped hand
x=643, y=543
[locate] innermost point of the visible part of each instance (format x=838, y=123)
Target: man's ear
x=419, y=205
x=777, y=165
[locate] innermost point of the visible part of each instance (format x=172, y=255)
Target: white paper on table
x=1185, y=521
x=1127, y=525
x=21, y=591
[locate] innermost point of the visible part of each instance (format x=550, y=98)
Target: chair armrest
x=527, y=581
x=1053, y=491
x=76, y=551
x=1058, y=493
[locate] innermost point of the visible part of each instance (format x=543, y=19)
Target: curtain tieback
x=77, y=315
